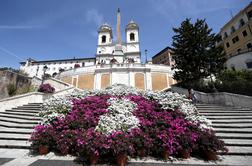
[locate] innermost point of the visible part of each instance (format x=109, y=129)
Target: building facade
x=115, y=62
x=163, y=57
x=109, y=51
x=237, y=39
x=36, y=68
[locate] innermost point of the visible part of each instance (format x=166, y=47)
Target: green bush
x=11, y=89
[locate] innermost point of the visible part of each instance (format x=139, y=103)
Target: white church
x=115, y=62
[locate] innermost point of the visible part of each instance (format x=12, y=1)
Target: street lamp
x=44, y=70
x=145, y=51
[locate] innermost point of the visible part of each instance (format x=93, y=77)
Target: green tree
x=195, y=52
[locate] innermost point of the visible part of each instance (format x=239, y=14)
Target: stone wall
x=21, y=82
x=222, y=98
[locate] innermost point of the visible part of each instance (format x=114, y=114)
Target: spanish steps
x=232, y=124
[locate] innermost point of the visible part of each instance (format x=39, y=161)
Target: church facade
x=119, y=62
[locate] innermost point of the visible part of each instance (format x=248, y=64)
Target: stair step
x=225, y=114
x=228, y=117
x=237, y=142
x=2, y=119
x=19, y=117
x=20, y=113
x=12, y=125
x=242, y=125
x=15, y=144
x=16, y=130
x=10, y=136
x=231, y=121
x=237, y=150
x=235, y=135
x=25, y=111
x=232, y=129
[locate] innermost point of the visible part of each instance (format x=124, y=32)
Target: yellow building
x=237, y=33
x=237, y=39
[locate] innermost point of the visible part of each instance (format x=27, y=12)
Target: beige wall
x=105, y=81
x=159, y=81
x=139, y=81
x=67, y=80
x=86, y=81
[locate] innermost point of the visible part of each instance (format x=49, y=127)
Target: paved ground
x=22, y=157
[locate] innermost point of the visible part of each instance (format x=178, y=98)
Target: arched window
x=232, y=29
x=232, y=67
x=249, y=63
x=132, y=36
x=242, y=22
x=103, y=39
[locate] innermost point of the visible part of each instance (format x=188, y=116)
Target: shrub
x=46, y=88
x=11, y=89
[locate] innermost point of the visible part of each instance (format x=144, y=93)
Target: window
x=249, y=45
x=235, y=39
x=132, y=37
x=225, y=35
x=103, y=39
x=241, y=23
x=232, y=67
x=232, y=29
x=249, y=63
x=227, y=44
x=244, y=33
x=249, y=14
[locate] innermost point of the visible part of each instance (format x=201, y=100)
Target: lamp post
x=145, y=51
x=43, y=76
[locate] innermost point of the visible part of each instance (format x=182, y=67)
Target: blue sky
x=59, y=29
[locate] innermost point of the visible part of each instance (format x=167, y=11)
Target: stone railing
x=33, y=97
x=57, y=84
x=222, y=98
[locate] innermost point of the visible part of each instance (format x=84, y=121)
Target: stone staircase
x=233, y=125
x=16, y=125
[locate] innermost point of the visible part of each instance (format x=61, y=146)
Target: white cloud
x=94, y=16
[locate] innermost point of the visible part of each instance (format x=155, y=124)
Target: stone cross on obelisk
x=118, y=28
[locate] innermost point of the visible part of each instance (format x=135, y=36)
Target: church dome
x=105, y=28
x=132, y=25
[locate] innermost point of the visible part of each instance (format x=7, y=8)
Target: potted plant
x=121, y=146
x=41, y=139
x=141, y=141
x=46, y=88
x=209, y=144
x=95, y=145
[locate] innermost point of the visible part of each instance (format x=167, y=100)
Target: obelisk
x=118, y=28
x=118, y=46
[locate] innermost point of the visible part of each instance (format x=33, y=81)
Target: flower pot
x=210, y=155
x=185, y=153
x=165, y=154
x=93, y=159
x=43, y=149
x=142, y=153
x=121, y=159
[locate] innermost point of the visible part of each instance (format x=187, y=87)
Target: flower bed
x=121, y=120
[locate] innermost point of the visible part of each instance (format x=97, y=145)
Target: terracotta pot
x=165, y=155
x=43, y=149
x=93, y=159
x=209, y=155
x=121, y=159
x=185, y=153
x=142, y=153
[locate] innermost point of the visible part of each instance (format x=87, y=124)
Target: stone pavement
x=22, y=157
